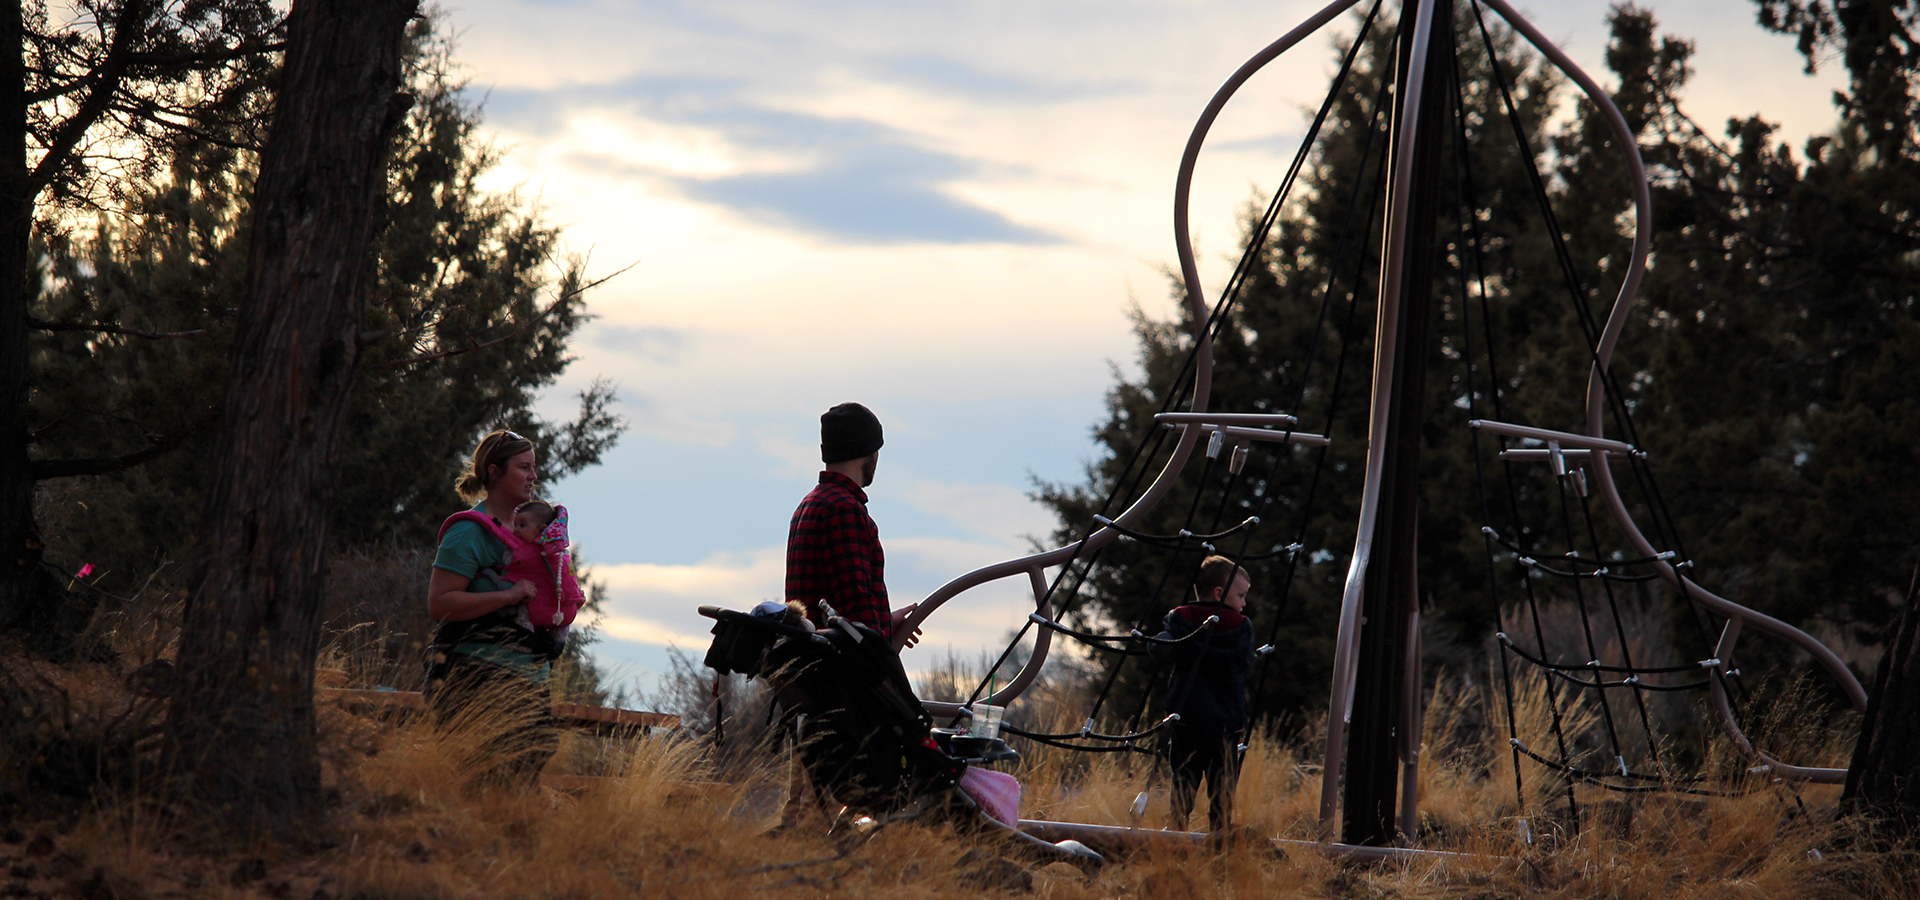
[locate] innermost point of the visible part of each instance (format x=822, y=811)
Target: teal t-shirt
x=468, y=548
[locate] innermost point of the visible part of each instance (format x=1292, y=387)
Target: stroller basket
x=863, y=736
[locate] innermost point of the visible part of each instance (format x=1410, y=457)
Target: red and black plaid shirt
x=833, y=554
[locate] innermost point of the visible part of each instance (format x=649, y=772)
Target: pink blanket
x=997, y=793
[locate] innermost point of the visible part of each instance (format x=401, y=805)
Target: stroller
x=864, y=737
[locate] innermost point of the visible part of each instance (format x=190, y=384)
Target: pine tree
x=466, y=321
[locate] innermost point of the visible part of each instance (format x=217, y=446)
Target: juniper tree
x=469, y=315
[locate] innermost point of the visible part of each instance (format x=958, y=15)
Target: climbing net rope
x=1544, y=546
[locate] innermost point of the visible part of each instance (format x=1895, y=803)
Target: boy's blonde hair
x=1215, y=572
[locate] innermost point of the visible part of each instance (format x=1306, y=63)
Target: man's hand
x=900, y=615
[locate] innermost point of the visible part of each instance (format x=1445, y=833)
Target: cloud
x=723, y=577
x=664, y=345
x=862, y=181
x=840, y=178
x=799, y=457
x=945, y=74
x=646, y=631
x=999, y=511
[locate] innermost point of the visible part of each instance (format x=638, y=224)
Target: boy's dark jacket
x=1209, y=688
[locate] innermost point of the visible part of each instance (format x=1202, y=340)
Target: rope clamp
x=1709, y=663
x=1215, y=441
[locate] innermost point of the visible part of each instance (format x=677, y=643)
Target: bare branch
x=524, y=326
x=99, y=97
x=152, y=115
x=103, y=328
x=161, y=60
x=158, y=446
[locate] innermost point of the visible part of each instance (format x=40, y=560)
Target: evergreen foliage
x=470, y=318
x=1767, y=367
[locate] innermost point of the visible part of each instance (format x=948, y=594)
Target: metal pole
x=1380, y=745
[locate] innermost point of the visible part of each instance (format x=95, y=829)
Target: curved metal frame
x=1603, y=473
x=1201, y=314
x=1034, y=566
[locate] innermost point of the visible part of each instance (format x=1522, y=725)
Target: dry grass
x=406, y=825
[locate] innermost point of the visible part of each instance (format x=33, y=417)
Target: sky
x=946, y=211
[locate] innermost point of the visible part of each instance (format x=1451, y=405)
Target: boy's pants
x=1191, y=754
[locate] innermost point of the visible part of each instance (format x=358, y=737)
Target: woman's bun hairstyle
x=494, y=450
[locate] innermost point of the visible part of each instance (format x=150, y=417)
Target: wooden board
x=599, y=719
x=577, y=715
x=388, y=699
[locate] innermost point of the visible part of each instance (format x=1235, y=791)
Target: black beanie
x=848, y=431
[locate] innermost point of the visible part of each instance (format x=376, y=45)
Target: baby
x=539, y=553
x=557, y=597
x=531, y=518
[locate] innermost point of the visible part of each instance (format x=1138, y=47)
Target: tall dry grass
x=408, y=823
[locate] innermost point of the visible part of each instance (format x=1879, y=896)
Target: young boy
x=1208, y=690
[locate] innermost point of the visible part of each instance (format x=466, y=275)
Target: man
x=833, y=554
x=1208, y=690
x=833, y=547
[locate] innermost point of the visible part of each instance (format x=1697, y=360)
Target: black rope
x=1632, y=681
x=1595, y=667
x=1173, y=539
x=1576, y=559
x=1350, y=238
x=1464, y=172
x=1094, y=735
x=1620, y=632
x=1603, y=575
x=1599, y=779
x=1064, y=745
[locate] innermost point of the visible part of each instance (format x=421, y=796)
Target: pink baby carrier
x=546, y=563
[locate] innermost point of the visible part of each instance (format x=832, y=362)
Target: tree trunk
x=19, y=550
x=1883, y=780
x=241, y=726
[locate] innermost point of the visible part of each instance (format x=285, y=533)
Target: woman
x=486, y=668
